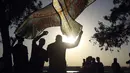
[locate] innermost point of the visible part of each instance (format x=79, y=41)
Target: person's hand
x=45, y=33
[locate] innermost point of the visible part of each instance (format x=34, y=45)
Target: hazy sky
x=89, y=19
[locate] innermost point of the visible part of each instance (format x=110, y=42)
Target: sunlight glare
x=70, y=39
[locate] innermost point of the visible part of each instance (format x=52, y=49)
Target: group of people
x=55, y=54
x=90, y=65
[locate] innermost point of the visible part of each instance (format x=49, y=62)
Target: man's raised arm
x=76, y=42
x=38, y=37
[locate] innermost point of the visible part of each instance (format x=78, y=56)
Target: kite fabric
x=58, y=13
x=69, y=27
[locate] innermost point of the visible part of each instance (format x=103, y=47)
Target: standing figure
x=38, y=55
x=100, y=66
x=88, y=65
x=128, y=62
x=83, y=64
x=20, y=56
x=116, y=66
x=56, y=54
x=1, y=65
x=94, y=66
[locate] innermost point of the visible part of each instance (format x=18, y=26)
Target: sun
x=70, y=39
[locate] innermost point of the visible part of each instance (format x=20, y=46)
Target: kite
x=58, y=13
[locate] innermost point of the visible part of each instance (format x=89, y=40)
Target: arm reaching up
x=76, y=42
x=38, y=37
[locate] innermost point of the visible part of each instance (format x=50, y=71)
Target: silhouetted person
x=20, y=56
x=56, y=54
x=100, y=66
x=38, y=55
x=88, y=65
x=116, y=66
x=1, y=65
x=83, y=64
x=94, y=66
x=128, y=62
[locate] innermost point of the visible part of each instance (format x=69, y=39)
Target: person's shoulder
x=51, y=44
x=65, y=44
x=112, y=64
x=101, y=63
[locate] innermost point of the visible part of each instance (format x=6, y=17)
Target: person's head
x=89, y=59
x=83, y=60
x=20, y=39
x=98, y=59
x=58, y=38
x=93, y=59
x=41, y=42
x=115, y=59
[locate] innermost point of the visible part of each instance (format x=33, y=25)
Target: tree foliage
x=21, y=9
x=18, y=10
x=117, y=32
x=13, y=12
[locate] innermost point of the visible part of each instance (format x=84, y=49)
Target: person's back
x=116, y=66
x=94, y=66
x=38, y=55
x=20, y=57
x=88, y=65
x=38, y=59
x=56, y=54
x=1, y=65
x=20, y=54
x=100, y=66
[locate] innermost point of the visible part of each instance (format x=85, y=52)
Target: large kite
x=59, y=13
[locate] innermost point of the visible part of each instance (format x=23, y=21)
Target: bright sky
x=89, y=19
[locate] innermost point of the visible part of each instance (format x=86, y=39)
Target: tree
x=118, y=32
x=13, y=12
